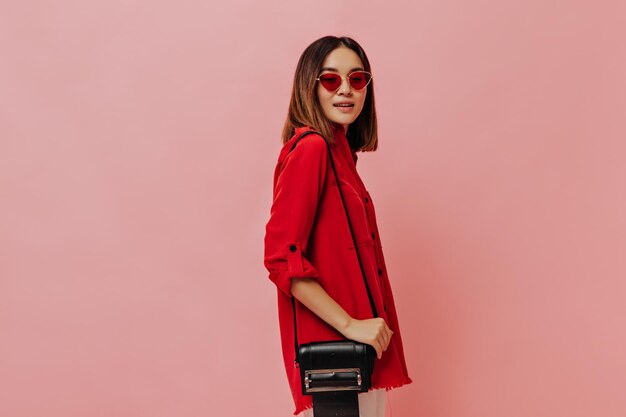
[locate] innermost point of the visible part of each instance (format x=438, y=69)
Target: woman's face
x=341, y=61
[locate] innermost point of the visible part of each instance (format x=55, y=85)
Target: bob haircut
x=305, y=108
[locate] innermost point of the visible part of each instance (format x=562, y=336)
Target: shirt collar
x=338, y=129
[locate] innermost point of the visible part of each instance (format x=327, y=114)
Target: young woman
x=309, y=249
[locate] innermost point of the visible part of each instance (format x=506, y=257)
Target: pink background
x=138, y=142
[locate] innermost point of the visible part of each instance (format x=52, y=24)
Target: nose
x=345, y=87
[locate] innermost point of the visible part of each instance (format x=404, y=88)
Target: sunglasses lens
x=331, y=82
x=359, y=79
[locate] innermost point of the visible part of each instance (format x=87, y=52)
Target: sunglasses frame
x=346, y=78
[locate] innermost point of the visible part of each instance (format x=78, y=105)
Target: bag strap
x=356, y=250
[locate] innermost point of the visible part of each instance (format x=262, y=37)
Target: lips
x=344, y=104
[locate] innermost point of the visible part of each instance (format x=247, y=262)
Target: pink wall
x=138, y=141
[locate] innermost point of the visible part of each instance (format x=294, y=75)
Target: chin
x=345, y=121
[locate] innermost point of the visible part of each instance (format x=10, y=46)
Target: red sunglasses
x=358, y=80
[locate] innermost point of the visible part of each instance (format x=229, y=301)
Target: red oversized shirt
x=307, y=216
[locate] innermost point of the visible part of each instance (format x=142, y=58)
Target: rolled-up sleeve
x=298, y=184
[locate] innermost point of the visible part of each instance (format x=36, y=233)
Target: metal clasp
x=307, y=379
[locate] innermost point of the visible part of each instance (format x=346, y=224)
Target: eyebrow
x=336, y=70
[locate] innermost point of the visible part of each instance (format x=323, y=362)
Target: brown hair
x=304, y=106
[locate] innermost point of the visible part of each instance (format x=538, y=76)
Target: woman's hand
x=374, y=332
x=370, y=331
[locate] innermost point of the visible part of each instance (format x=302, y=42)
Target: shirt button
x=292, y=248
x=367, y=199
x=373, y=236
x=380, y=271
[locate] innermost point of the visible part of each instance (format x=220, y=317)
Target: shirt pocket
x=354, y=201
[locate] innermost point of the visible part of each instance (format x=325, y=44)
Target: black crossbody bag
x=334, y=372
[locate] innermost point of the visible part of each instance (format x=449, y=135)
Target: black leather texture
x=336, y=404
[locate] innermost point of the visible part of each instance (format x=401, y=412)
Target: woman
x=309, y=249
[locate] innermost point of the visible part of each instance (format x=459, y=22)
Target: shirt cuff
x=297, y=266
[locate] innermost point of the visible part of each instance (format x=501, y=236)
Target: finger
x=389, y=335
x=383, y=344
x=384, y=341
x=384, y=337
